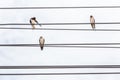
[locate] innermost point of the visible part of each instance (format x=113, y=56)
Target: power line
x=60, y=67
x=59, y=29
x=58, y=46
x=83, y=47
x=60, y=23
x=73, y=7
x=85, y=44
x=94, y=73
x=61, y=44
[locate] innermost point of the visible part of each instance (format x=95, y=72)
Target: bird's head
x=41, y=37
x=34, y=18
x=91, y=16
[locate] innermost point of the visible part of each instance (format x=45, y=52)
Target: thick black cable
x=77, y=7
x=60, y=67
x=94, y=73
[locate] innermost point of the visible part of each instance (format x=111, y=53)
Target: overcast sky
x=59, y=56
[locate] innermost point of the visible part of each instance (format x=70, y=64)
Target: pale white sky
x=59, y=56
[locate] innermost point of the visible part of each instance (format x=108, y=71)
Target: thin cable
x=55, y=46
x=60, y=67
x=62, y=44
x=60, y=23
x=83, y=47
x=94, y=73
x=59, y=29
x=60, y=7
x=85, y=44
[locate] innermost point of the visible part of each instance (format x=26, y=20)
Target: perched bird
x=92, y=21
x=33, y=21
x=41, y=42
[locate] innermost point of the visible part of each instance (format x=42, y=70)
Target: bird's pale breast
x=92, y=20
x=41, y=41
x=33, y=22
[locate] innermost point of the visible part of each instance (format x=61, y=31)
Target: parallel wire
x=60, y=67
x=94, y=73
x=83, y=47
x=77, y=7
x=54, y=45
x=61, y=46
x=6, y=24
x=58, y=29
x=47, y=67
x=60, y=23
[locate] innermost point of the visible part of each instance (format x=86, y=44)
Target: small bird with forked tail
x=41, y=42
x=33, y=21
x=92, y=21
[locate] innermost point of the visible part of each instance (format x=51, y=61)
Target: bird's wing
x=44, y=41
x=36, y=21
x=94, y=20
x=30, y=22
x=39, y=42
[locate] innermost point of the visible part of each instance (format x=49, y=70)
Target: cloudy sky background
x=59, y=56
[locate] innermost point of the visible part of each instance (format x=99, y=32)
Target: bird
x=33, y=21
x=92, y=21
x=41, y=42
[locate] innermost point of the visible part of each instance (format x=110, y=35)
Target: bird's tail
x=39, y=24
x=41, y=48
x=33, y=26
x=94, y=29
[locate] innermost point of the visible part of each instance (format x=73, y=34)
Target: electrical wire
x=83, y=47
x=58, y=29
x=60, y=23
x=60, y=67
x=61, y=46
x=94, y=73
x=77, y=7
